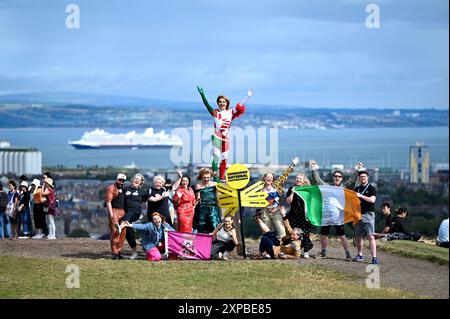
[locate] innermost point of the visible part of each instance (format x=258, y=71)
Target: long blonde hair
x=305, y=179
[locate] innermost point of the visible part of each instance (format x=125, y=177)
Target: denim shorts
x=366, y=226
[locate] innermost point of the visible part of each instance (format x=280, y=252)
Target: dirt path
x=418, y=276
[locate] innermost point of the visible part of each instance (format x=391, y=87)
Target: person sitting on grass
x=153, y=241
x=442, y=239
x=270, y=246
x=225, y=239
x=388, y=217
x=397, y=229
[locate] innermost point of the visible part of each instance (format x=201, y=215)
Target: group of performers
x=283, y=234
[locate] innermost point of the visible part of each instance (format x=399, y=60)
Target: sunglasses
x=337, y=176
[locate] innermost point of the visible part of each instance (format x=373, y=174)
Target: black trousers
x=219, y=246
x=131, y=217
x=445, y=245
x=39, y=216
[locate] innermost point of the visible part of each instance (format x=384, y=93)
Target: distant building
x=19, y=160
x=419, y=164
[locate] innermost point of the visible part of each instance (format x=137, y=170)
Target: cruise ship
x=100, y=139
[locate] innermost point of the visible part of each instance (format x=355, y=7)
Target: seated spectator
x=397, y=229
x=270, y=247
x=386, y=209
x=225, y=239
x=153, y=241
x=442, y=239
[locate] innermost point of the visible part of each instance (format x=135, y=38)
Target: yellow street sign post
x=234, y=199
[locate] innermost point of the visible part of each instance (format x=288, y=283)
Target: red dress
x=184, y=206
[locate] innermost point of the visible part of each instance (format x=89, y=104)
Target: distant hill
x=93, y=100
x=93, y=110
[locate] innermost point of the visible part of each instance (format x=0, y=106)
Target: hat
x=24, y=183
x=121, y=176
x=363, y=171
x=36, y=182
x=49, y=181
x=158, y=214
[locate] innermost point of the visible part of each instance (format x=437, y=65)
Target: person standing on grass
x=366, y=226
x=338, y=180
x=50, y=206
x=272, y=215
x=23, y=210
x=184, y=202
x=5, y=227
x=153, y=241
x=44, y=177
x=209, y=214
x=38, y=208
x=114, y=201
x=134, y=196
x=13, y=200
x=225, y=239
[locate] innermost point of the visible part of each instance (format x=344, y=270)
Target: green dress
x=208, y=212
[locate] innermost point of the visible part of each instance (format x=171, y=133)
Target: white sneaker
x=38, y=236
x=51, y=237
x=225, y=256
x=118, y=228
x=134, y=256
x=306, y=255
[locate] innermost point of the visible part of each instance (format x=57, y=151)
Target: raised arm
x=249, y=95
x=351, y=182
x=205, y=101
x=240, y=107
x=315, y=179
x=178, y=182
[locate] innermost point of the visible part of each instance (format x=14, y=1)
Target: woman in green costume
x=208, y=214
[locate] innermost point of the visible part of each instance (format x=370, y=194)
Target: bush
x=78, y=233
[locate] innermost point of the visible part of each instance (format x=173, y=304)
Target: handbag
x=10, y=207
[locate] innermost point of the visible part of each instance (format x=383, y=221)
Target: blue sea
x=375, y=147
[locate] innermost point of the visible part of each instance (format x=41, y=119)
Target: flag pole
x=242, y=224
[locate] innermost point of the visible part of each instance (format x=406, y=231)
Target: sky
x=291, y=52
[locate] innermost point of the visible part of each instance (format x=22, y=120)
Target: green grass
x=26, y=277
x=414, y=249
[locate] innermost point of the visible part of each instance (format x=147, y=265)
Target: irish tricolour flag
x=329, y=205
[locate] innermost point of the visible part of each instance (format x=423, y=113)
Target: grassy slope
x=26, y=277
x=414, y=249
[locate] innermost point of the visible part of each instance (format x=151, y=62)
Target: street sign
x=237, y=176
x=231, y=211
x=255, y=203
x=225, y=189
x=253, y=188
x=230, y=202
x=232, y=199
x=254, y=196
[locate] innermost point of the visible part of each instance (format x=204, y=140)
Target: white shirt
x=443, y=232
